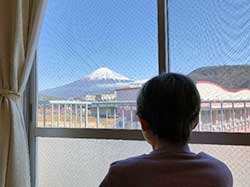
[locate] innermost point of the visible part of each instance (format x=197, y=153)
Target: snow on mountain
x=103, y=80
x=105, y=74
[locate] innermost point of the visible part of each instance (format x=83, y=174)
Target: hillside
x=231, y=77
x=102, y=80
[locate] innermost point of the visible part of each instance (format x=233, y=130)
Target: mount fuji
x=102, y=80
x=105, y=74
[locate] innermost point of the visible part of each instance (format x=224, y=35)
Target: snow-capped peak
x=106, y=74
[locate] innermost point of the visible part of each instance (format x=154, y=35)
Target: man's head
x=168, y=105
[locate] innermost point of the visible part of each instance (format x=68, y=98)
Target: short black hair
x=170, y=103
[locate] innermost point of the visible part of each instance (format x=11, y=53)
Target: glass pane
x=93, y=56
x=209, y=42
x=84, y=162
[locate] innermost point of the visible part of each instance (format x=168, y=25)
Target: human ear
x=144, y=124
x=147, y=133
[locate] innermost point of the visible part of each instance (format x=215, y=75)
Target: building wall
x=129, y=94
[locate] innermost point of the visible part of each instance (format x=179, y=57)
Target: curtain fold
x=20, y=23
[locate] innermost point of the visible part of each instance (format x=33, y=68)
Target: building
x=221, y=109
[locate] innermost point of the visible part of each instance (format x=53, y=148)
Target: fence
x=221, y=116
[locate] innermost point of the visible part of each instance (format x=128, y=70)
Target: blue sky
x=208, y=32
x=79, y=36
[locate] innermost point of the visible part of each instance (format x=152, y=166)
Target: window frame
x=31, y=103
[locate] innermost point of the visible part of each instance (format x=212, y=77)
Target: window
x=59, y=158
x=93, y=57
x=208, y=41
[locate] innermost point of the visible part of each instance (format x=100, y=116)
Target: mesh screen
x=93, y=57
x=209, y=42
x=84, y=162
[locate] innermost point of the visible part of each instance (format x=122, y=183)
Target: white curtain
x=20, y=22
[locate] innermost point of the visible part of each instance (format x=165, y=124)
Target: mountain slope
x=103, y=80
x=231, y=77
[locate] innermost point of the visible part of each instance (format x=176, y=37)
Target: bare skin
x=150, y=137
